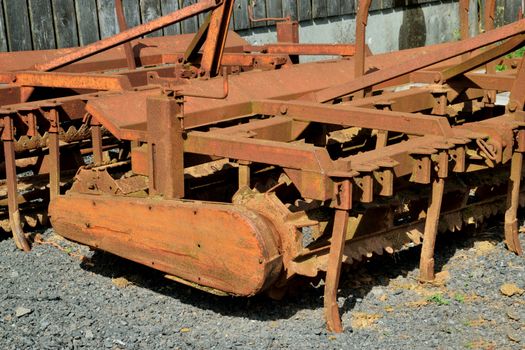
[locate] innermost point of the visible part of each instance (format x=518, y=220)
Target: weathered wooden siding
x=43, y=24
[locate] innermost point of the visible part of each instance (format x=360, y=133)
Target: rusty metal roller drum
x=237, y=252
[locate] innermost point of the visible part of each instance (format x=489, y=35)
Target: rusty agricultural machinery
x=235, y=168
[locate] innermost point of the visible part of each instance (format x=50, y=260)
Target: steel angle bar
x=304, y=49
x=355, y=116
x=129, y=34
x=294, y=156
x=72, y=80
x=423, y=61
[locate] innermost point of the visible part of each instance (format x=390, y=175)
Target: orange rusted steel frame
x=517, y=93
x=477, y=60
x=217, y=32
x=360, y=40
x=8, y=141
x=304, y=49
x=198, y=40
x=490, y=14
x=355, y=116
x=421, y=62
x=130, y=34
x=464, y=7
x=67, y=80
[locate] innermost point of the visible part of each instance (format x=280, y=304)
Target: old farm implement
x=235, y=168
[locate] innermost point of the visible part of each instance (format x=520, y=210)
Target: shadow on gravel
x=306, y=294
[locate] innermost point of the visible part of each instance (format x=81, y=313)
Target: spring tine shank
x=331, y=309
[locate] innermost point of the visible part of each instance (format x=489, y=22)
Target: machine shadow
x=305, y=294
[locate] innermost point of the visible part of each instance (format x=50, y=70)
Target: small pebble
x=22, y=311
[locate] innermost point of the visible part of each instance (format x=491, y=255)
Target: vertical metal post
x=463, y=19
x=288, y=32
x=511, y=220
x=52, y=115
x=166, y=146
x=96, y=140
x=216, y=39
x=360, y=42
x=490, y=15
x=12, y=185
x=244, y=174
x=382, y=135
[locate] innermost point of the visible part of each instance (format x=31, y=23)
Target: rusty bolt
x=284, y=109
x=513, y=106
x=437, y=78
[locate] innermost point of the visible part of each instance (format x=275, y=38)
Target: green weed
x=438, y=299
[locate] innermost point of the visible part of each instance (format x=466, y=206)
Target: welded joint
x=385, y=179
x=440, y=94
x=342, y=198
x=442, y=165
x=365, y=186
x=459, y=157
x=514, y=106
x=422, y=169
x=6, y=117
x=28, y=117
x=50, y=110
x=489, y=98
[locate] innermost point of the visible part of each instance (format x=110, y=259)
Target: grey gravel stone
x=74, y=305
x=22, y=311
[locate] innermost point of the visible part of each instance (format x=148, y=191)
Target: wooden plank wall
x=45, y=24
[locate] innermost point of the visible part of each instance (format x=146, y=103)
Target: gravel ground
x=51, y=299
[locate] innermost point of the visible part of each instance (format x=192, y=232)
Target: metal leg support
x=96, y=137
x=54, y=171
x=426, y=264
x=511, y=220
x=331, y=309
x=12, y=194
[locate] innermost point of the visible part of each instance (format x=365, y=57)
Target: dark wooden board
x=290, y=9
x=319, y=9
x=304, y=10
x=240, y=11
x=87, y=21
x=41, y=18
x=259, y=11
x=17, y=25
x=191, y=24
x=107, y=18
x=150, y=10
x=65, y=23
x=376, y=5
x=510, y=14
x=333, y=7
x=274, y=9
x=168, y=6
x=3, y=36
x=131, y=12
x=347, y=7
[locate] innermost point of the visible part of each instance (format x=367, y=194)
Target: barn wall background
x=49, y=24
